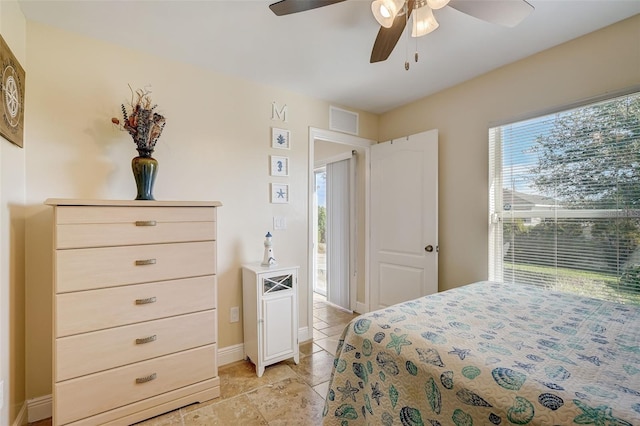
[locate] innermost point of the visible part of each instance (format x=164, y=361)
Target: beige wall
x=12, y=198
x=324, y=150
x=596, y=64
x=215, y=146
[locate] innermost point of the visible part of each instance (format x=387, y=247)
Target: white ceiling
x=324, y=53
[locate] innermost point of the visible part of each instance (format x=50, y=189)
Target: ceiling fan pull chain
x=415, y=57
x=406, y=24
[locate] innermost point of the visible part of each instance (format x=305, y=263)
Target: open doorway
x=320, y=230
x=335, y=144
x=335, y=245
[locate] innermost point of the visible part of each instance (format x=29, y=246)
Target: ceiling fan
x=393, y=15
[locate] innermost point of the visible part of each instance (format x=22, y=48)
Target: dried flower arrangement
x=142, y=122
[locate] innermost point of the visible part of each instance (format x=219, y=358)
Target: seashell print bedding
x=489, y=354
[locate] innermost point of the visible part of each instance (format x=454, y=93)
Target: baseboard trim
x=230, y=354
x=361, y=308
x=303, y=334
x=39, y=408
x=21, y=420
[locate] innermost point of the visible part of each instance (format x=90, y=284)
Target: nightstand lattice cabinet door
x=270, y=313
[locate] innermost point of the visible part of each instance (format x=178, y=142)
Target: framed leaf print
x=280, y=138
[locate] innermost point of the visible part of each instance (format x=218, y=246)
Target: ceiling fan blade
x=387, y=38
x=287, y=7
x=508, y=13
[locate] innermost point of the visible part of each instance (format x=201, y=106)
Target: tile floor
x=286, y=394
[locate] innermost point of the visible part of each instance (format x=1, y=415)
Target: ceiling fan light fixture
x=437, y=4
x=423, y=22
x=385, y=11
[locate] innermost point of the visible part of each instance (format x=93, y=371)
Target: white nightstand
x=270, y=314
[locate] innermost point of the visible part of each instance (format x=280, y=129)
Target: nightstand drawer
x=89, y=353
x=85, y=269
x=89, y=395
x=86, y=311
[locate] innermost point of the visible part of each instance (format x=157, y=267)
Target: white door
x=404, y=219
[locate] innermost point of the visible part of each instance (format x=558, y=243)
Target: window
x=565, y=200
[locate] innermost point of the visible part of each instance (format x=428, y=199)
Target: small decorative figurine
x=268, y=259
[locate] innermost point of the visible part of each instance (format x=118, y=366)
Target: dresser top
x=129, y=203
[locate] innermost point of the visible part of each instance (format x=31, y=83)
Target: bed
x=489, y=354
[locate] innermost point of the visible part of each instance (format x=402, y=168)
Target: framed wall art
x=279, y=166
x=280, y=138
x=279, y=193
x=12, y=84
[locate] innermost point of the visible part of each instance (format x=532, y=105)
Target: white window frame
x=497, y=214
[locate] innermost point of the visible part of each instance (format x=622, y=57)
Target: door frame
x=345, y=139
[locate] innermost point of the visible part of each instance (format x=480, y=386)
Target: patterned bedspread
x=489, y=353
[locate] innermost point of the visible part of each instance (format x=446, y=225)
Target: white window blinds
x=565, y=200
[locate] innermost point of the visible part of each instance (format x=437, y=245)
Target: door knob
x=429, y=248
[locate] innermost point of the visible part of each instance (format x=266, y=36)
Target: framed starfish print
x=12, y=85
x=279, y=193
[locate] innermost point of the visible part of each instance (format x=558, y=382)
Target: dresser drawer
x=130, y=233
x=101, y=350
x=84, y=269
x=127, y=214
x=89, y=395
x=85, y=311
x=83, y=226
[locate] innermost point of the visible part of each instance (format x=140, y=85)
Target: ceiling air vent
x=342, y=120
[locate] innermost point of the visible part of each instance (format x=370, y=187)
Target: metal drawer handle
x=145, y=262
x=146, y=340
x=146, y=379
x=146, y=301
x=145, y=223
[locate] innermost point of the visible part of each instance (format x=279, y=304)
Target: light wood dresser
x=134, y=309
